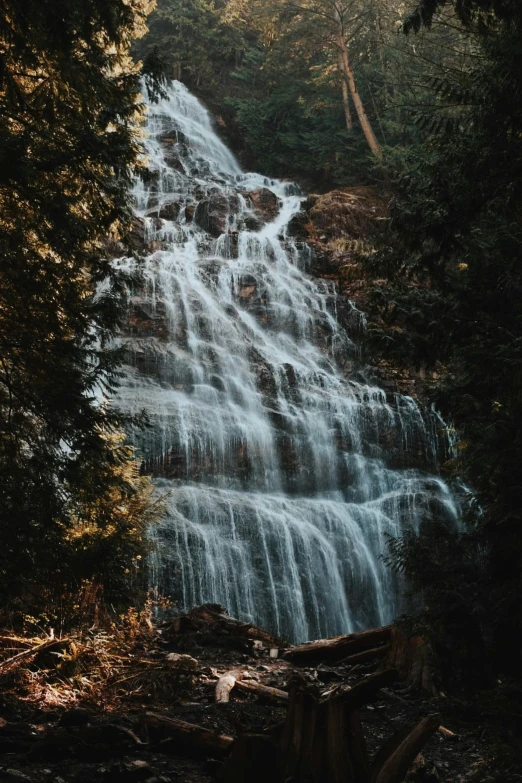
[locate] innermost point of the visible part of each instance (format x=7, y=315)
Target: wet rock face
x=169, y=211
x=277, y=458
x=265, y=203
x=214, y=214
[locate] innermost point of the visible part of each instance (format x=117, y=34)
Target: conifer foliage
x=453, y=293
x=72, y=503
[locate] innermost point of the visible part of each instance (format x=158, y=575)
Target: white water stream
x=285, y=472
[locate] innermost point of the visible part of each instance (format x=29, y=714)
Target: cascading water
x=284, y=473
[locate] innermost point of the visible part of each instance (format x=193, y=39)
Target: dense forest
x=416, y=104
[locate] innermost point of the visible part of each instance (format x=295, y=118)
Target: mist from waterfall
x=284, y=471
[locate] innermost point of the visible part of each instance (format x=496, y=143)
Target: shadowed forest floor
x=72, y=710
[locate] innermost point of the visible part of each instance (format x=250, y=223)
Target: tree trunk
x=357, y=102
x=322, y=739
x=346, y=96
x=411, y=656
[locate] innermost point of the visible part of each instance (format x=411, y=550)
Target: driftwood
x=338, y=647
x=234, y=679
x=189, y=736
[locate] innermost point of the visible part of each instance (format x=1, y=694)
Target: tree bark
x=357, y=102
x=366, y=655
x=410, y=743
x=250, y=686
x=411, y=656
x=322, y=739
x=346, y=96
x=339, y=646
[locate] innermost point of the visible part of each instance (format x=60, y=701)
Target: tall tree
x=454, y=296
x=69, y=98
x=341, y=21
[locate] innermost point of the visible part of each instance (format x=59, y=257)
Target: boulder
x=212, y=214
x=169, y=211
x=265, y=203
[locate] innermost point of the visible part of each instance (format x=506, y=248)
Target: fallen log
x=339, y=646
x=189, y=736
x=213, y=619
x=251, y=686
x=366, y=655
x=392, y=764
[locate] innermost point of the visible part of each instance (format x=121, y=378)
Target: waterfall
x=283, y=471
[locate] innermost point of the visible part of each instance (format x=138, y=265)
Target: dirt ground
x=71, y=710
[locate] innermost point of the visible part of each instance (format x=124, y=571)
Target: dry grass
x=102, y=667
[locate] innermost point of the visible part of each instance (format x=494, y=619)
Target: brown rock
x=265, y=203
x=169, y=211
x=212, y=214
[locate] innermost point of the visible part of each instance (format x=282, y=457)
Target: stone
x=182, y=662
x=212, y=213
x=247, y=291
x=265, y=203
x=169, y=211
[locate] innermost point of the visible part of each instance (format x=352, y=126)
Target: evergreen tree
x=454, y=295
x=69, y=97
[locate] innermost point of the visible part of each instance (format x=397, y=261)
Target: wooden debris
x=322, y=737
x=411, y=656
x=25, y=654
x=366, y=655
x=179, y=661
x=251, y=686
x=224, y=686
x=213, y=619
x=338, y=647
x=447, y=733
x=393, y=766
x=364, y=691
x=190, y=736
